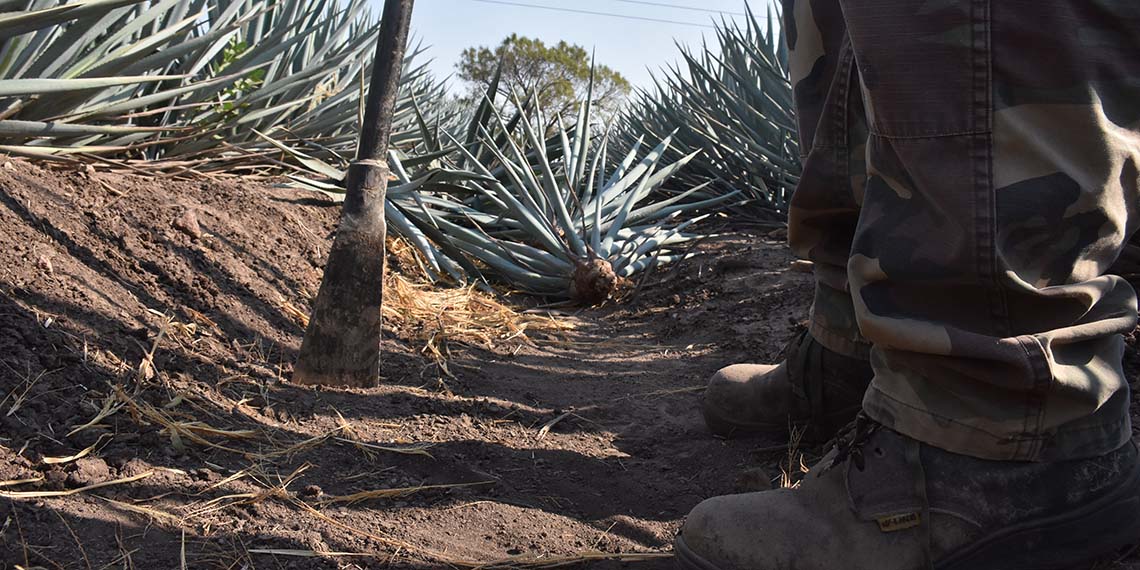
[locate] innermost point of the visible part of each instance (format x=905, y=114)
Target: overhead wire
x=681, y=7
x=595, y=13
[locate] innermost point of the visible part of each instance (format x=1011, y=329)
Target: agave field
x=564, y=207
x=187, y=85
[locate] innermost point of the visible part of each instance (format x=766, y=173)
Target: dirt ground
x=147, y=326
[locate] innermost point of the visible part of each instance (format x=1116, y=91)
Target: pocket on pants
x=924, y=65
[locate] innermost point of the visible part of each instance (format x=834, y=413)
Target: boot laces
x=850, y=441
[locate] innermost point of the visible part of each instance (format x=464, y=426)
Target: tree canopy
x=559, y=74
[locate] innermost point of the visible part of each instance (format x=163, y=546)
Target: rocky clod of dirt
x=753, y=480
x=187, y=223
x=88, y=471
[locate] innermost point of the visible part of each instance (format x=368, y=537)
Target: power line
x=679, y=7
x=593, y=13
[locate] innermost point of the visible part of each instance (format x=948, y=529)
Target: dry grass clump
x=434, y=317
x=420, y=311
x=794, y=467
x=437, y=317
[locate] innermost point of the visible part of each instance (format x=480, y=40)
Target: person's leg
x=1003, y=183
x=824, y=209
x=1003, y=173
x=821, y=384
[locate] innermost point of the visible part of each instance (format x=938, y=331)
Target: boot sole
x=689, y=560
x=732, y=429
x=1061, y=542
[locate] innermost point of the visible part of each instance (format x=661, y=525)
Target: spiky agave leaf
x=734, y=102
x=401, y=196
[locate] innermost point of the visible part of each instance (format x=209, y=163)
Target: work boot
x=883, y=501
x=814, y=389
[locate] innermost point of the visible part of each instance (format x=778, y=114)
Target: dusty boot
x=814, y=388
x=883, y=501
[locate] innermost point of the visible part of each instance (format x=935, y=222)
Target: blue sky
x=630, y=46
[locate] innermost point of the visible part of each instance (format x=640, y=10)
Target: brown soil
x=181, y=294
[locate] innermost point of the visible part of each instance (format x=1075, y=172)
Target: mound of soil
x=147, y=331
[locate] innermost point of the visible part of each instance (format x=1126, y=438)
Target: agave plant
x=735, y=104
x=559, y=220
x=182, y=79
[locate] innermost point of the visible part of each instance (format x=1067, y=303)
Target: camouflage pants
x=971, y=171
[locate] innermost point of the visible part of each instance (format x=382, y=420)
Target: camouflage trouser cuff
x=1094, y=438
x=833, y=323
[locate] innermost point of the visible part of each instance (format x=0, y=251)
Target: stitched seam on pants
x=821, y=146
x=839, y=343
x=842, y=98
x=970, y=132
x=982, y=159
x=1034, y=404
x=840, y=117
x=996, y=437
x=1044, y=381
x=1111, y=426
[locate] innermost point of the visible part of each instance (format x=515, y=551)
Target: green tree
x=559, y=74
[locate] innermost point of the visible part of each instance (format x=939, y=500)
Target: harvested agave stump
x=594, y=281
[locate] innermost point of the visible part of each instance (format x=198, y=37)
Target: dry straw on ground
x=438, y=317
x=435, y=317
